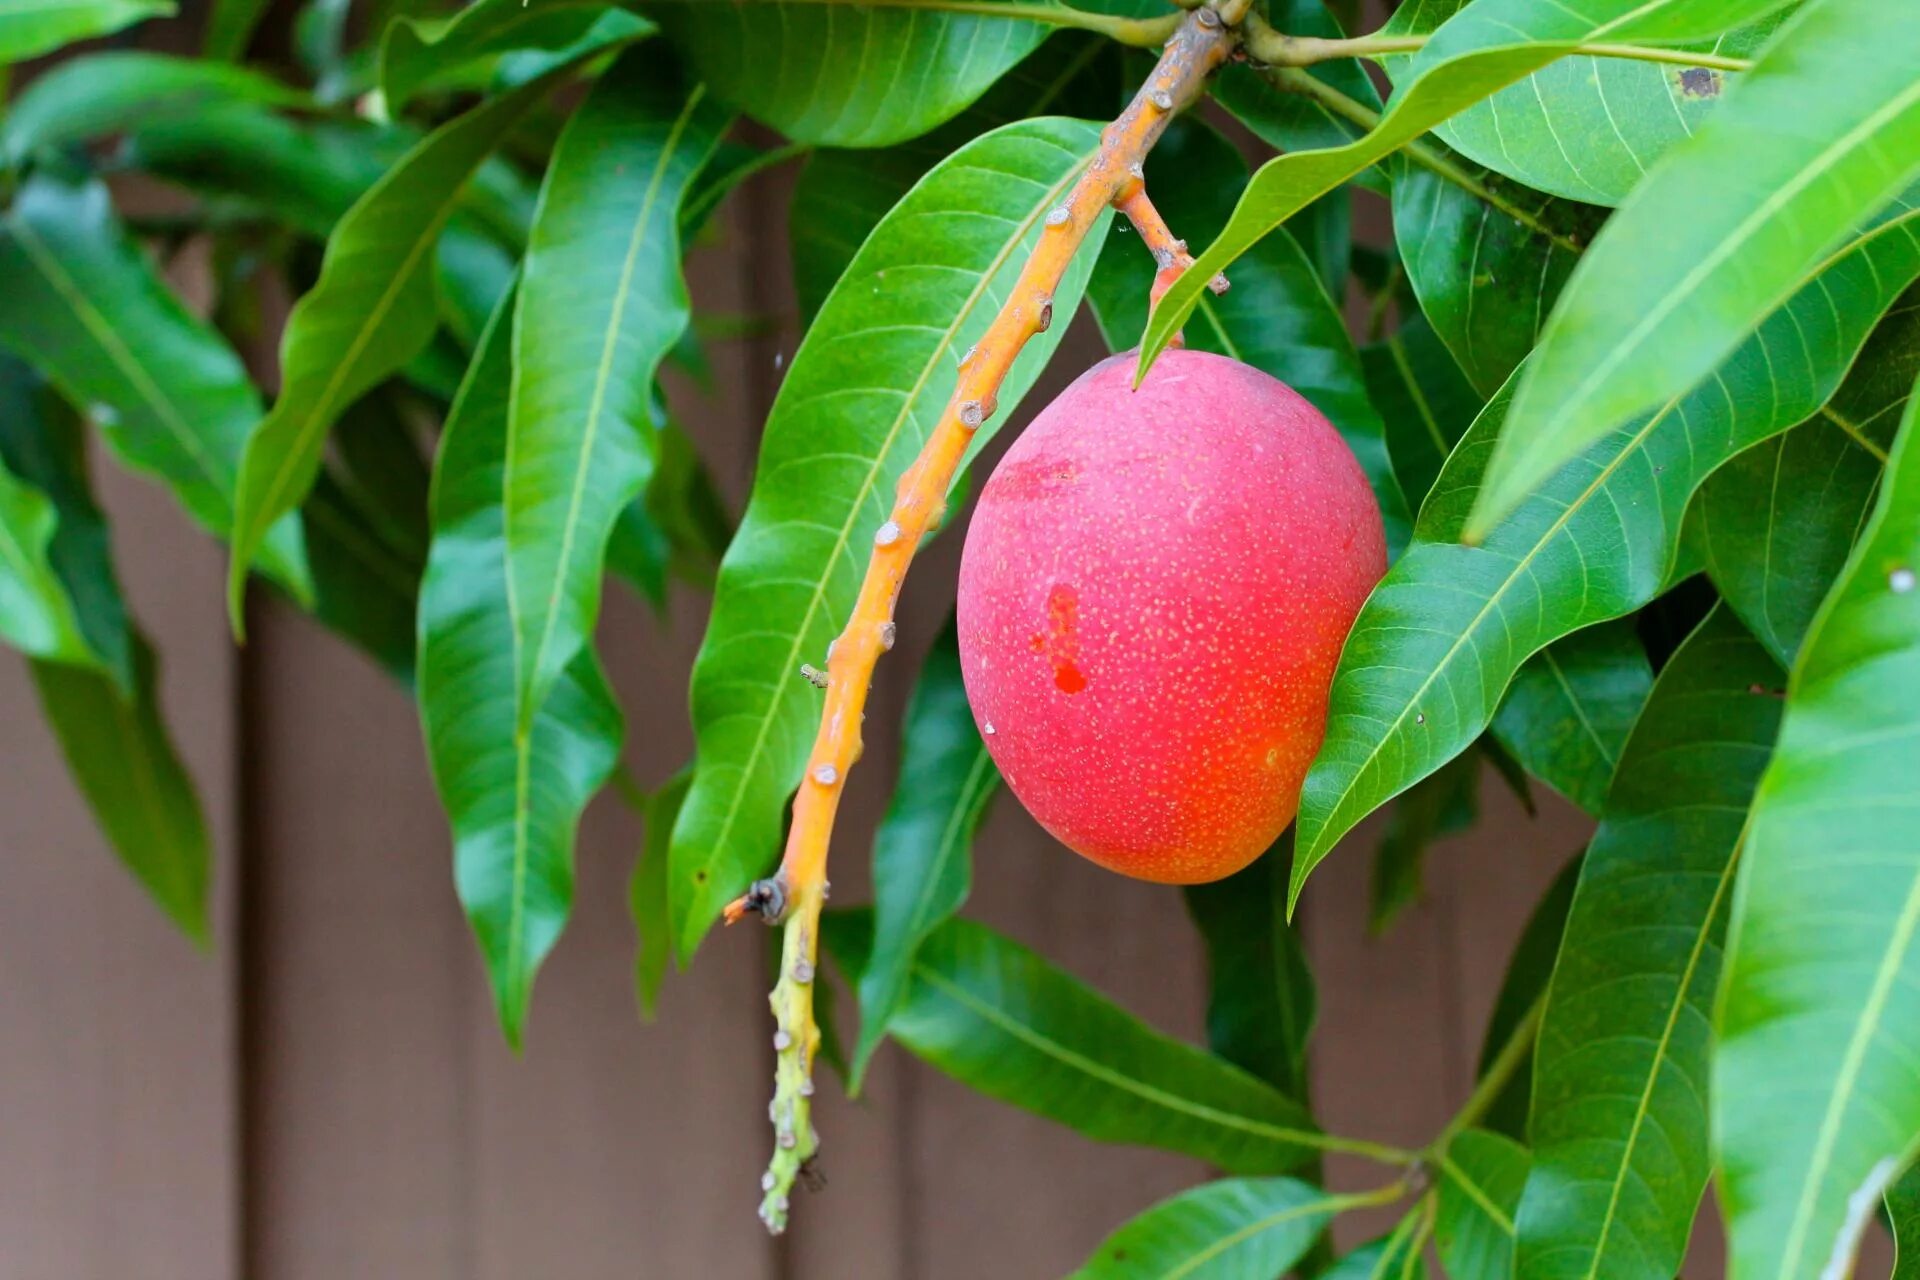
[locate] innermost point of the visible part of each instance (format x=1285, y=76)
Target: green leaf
x=1815, y=1100
x=895, y=73
x=1567, y=713
x=1775, y=524
x=1619, y=1122
x=419, y=52
x=230, y=28
x=1393, y=1257
x=40, y=26
x=36, y=617
x=83, y=306
x=876, y=368
x=1424, y=400
x=647, y=895
x=1585, y=128
x=1481, y=1175
x=1529, y=969
x=1261, y=1002
x=1820, y=134
x=1486, y=258
x=1440, y=638
x=1277, y=316
x=110, y=92
x=373, y=309
x=601, y=302
x=514, y=799
x=842, y=194
x=1903, y=1212
x=1233, y=1229
x=126, y=766
x=1441, y=804
x=1485, y=47
x=1000, y=1019
x=923, y=855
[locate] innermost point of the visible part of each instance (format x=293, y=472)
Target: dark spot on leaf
x=1765, y=692
x=1699, y=82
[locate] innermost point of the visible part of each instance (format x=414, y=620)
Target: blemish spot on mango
x=1062, y=641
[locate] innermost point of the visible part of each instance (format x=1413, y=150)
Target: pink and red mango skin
x=1153, y=595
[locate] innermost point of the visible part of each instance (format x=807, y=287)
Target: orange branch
x=795, y=894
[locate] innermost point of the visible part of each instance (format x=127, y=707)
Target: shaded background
x=324, y=1094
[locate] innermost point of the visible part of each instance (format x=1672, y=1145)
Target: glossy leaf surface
x=1234, y=1229
x=862, y=395
x=104, y=93
x=27, y=30
x=417, y=52
x=1481, y=1175
x=1568, y=711
x=1424, y=401
x=1816, y=1098
x=1261, y=1001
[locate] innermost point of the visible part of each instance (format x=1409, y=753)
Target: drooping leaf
x=40, y=26
x=1424, y=401
x=36, y=615
x=1484, y=47
x=1585, y=128
x=1775, y=524
x=1441, y=637
x=171, y=397
x=1481, y=1175
x=1486, y=257
x=105, y=93
x=842, y=194
x=877, y=367
x=601, y=301
x=374, y=308
x=1529, y=969
x=847, y=76
x=647, y=895
x=513, y=799
x=1440, y=804
x=1261, y=1001
x=1234, y=1229
x=923, y=856
x=1619, y=1123
x=1568, y=710
x=1000, y=1019
x=416, y=53
x=1815, y=1096
x=1822, y=133
x=1276, y=317
x=126, y=766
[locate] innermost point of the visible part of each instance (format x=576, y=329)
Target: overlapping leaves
x=1227, y=1229
x=1434, y=649
x=864, y=391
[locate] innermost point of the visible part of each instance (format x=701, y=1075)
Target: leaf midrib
x=751, y=763
x=1101, y=1072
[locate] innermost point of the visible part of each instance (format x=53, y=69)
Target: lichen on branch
x=794, y=896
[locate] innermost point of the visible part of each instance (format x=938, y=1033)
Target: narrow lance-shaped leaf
x=1585, y=128
x=28, y=30
x=1393, y=1257
x=417, y=52
x=601, y=301
x=1819, y=135
x=1424, y=400
x=1567, y=714
x=1228, y=1230
x=170, y=396
x=373, y=309
x=105, y=710
x=36, y=617
x=514, y=800
x=1000, y=1019
x=844, y=75
x=230, y=26
x=1815, y=1095
x=1619, y=1123
x=923, y=855
x=104, y=93
x=862, y=395
x=1481, y=1175
x=1261, y=1002
x=1524, y=985
x=1484, y=47
x=1775, y=523
x=1437, y=643
x=1277, y=316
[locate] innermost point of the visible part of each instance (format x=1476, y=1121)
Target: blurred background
x=323, y=1094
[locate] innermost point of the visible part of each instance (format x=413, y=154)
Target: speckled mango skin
x=1153, y=595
